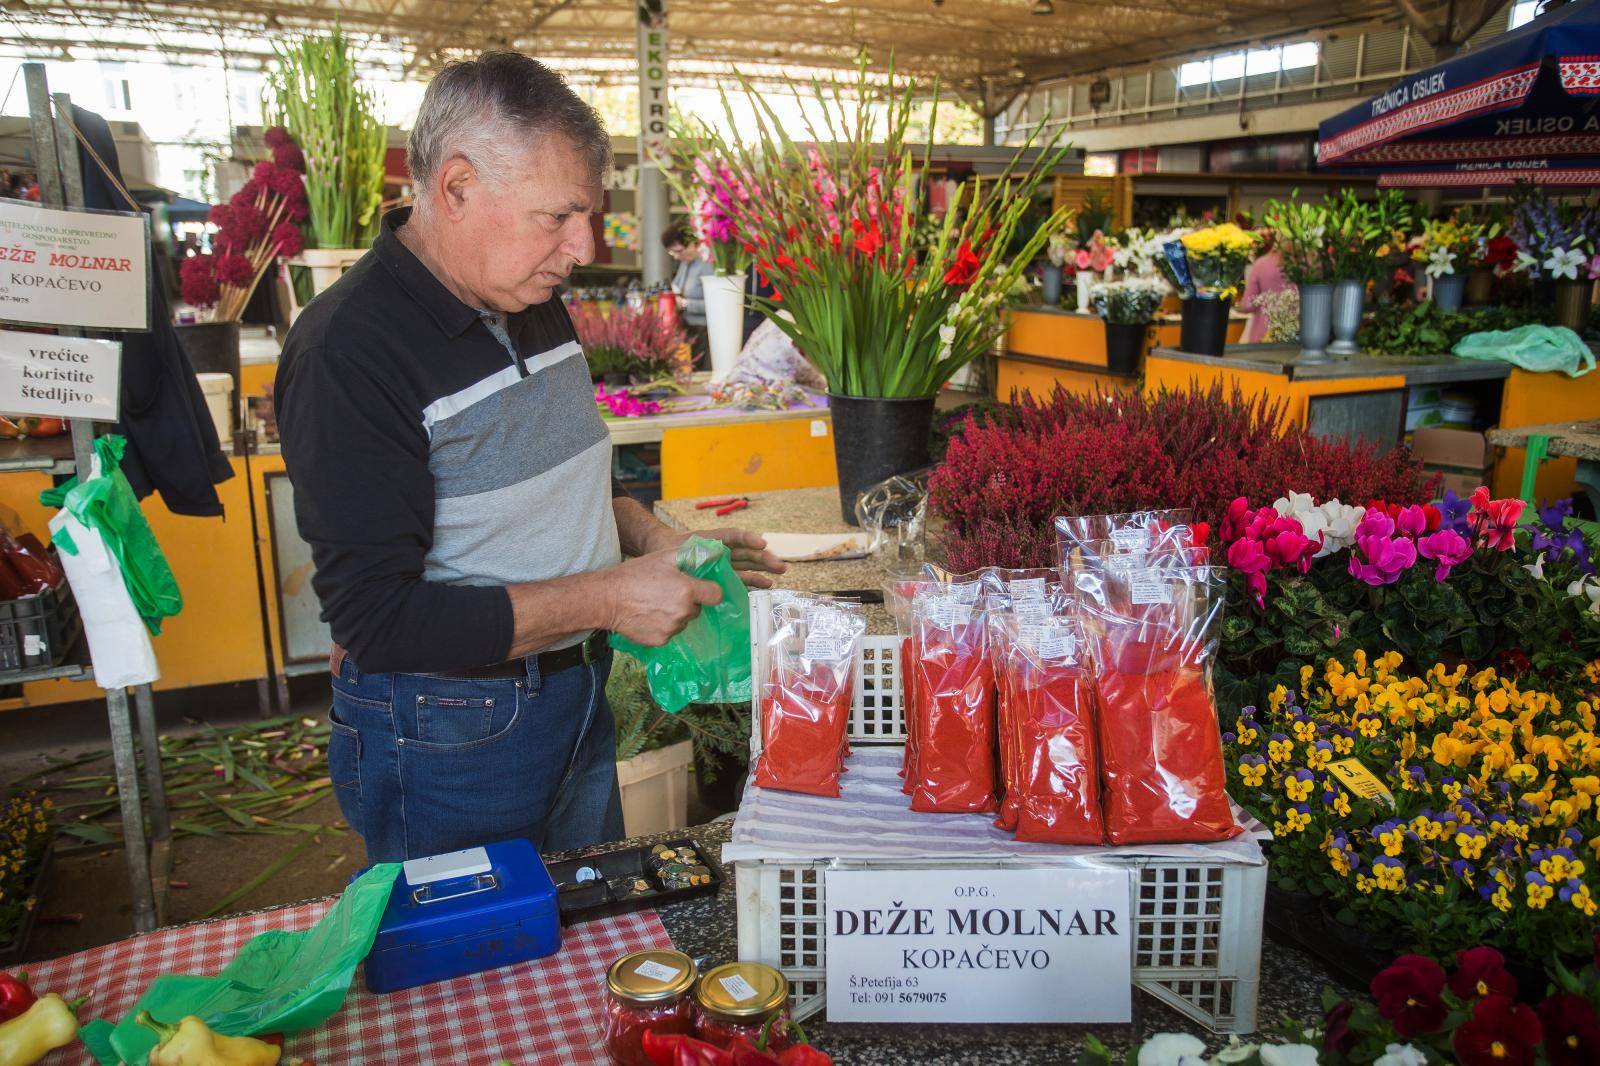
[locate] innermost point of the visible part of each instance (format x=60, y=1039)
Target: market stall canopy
x=1524, y=106
x=977, y=47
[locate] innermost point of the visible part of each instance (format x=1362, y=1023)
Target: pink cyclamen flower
x=1447, y=548
x=1375, y=524
x=1250, y=558
x=1413, y=521
x=1385, y=559
x=1495, y=520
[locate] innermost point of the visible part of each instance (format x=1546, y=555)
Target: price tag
x=822, y=646
x=1028, y=634
x=32, y=644
x=979, y=945
x=656, y=971
x=1148, y=587
x=965, y=592
x=1058, y=642
x=1360, y=781
x=1031, y=610
x=1130, y=539
x=737, y=987
x=1026, y=589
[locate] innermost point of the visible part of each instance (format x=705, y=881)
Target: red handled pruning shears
x=724, y=506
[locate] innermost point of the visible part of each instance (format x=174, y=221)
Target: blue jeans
x=423, y=764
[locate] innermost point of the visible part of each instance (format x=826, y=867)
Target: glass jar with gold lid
x=743, y=999
x=647, y=991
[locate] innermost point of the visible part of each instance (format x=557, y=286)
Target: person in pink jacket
x=1264, y=276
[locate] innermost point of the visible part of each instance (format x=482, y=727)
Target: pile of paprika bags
x=1080, y=711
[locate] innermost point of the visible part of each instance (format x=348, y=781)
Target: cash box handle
x=480, y=883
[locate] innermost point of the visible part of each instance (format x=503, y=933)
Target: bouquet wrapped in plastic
x=807, y=692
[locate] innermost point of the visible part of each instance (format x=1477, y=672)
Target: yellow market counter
x=1047, y=346
x=1366, y=390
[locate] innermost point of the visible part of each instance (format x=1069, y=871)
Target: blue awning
x=1524, y=106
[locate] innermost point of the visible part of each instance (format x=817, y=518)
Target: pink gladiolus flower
x=1413, y=521
x=1385, y=559
x=1447, y=548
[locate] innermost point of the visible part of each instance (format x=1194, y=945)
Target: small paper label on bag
x=824, y=645
x=1028, y=634
x=1058, y=642
x=1360, y=781
x=656, y=971
x=1026, y=589
x=737, y=987
x=32, y=644
x=1131, y=539
x=1147, y=586
x=1031, y=610
x=965, y=592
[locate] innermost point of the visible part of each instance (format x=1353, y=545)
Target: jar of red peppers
x=742, y=999
x=647, y=991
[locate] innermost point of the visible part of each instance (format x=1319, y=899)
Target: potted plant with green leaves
x=1210, y=263
x=830, y=221
x=1128, y=307
x=1445, y=249
x=1301, y=230
x=1359, y=236
x=320, y=100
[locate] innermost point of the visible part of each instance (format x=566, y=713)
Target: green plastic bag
x=280, y=982
x=709, y=662
x=1533, y=347
x=106, y=502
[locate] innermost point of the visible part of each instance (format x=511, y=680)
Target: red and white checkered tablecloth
x=547, y=1011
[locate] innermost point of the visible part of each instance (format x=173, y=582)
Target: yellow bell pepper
x=42, y=1028
x=192, y=1043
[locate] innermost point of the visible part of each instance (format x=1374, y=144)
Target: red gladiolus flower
x=1408, y=995
x=1482, y=972
x=868, y=241
x=1571, y=1031
x=1501, y=1032
x=965, y=268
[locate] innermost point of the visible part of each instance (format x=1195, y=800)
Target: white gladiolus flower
x=947, y=335
x=1170, y=1049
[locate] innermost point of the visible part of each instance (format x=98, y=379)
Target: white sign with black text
x=61, y=377
x=981, y=945
x=89, y=269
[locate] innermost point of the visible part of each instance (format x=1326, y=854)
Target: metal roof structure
x=982, y=49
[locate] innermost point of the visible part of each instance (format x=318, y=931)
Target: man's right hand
x=650, y=600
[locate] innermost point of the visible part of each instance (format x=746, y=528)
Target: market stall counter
x=550, y=1010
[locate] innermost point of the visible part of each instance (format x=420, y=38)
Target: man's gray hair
x=489, y=109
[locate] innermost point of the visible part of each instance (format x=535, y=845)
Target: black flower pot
x=1204, y=330
x=212, y=348
x=726, y=788
x=875, y=438
x=1125, y=347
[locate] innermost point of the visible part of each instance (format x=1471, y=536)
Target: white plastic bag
x=119, y=644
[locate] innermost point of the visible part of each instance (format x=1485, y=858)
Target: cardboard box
x=1463, y=485
x=1464, y=450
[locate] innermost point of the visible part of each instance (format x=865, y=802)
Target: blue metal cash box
x=455, y=914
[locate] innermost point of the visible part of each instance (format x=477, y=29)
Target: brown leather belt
x=550, y=662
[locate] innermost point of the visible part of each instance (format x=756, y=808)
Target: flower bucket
x=1204, y=329
x=1572, y=303
x=1316, y=322
x=1448, y=292
x=724, y=296
x=1084, y=280
x=875, y=438
x=1125, y=346
x=1052, y=285
x=1349, y=301
x=212, y=347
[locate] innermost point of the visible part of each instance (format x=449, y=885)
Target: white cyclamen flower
x=1234, y=1052
x=1564, y=263
x=1289, y=1055
x=1401, y=1055
x=1169, y=1049
x=1295, y=503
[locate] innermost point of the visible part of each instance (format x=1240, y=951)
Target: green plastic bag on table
x=280, y=982
x=709, y=662
x=106, y=502
x=1532, y=347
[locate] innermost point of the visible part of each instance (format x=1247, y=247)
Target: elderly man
x=452, y=477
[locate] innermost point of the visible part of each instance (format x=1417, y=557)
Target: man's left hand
x=748, y=553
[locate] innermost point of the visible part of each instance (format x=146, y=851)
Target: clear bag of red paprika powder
x=898, y=596
x=1053, y=795
x=1150, y=622
x=1030, y=596
x=807, y=692
x=1084, y=541
x=955, y=769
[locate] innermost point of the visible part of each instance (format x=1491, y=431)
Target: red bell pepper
x=676, y=1049
x=804, y=1055
x=15, y=996
x=747, y=1054
x=799, y=1053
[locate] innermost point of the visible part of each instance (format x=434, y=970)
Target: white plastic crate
x=1197, y=924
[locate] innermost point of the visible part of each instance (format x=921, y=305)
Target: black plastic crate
x=38, y=630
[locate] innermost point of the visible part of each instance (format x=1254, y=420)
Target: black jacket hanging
x=172, y=442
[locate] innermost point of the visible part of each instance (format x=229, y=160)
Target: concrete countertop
x=1284, y=361
x=796, y=511
x=1579, y=440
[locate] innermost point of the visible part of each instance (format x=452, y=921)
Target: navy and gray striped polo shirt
x=435, y=463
